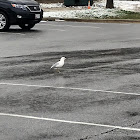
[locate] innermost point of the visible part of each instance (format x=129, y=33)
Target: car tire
x=4, y=22
x=26, y=26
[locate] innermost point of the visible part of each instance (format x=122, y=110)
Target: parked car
x=25, y=13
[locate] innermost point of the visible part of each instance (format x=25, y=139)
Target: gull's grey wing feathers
x=54, y=65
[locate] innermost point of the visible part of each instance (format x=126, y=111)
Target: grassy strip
x=128, y=15
x=118, y=14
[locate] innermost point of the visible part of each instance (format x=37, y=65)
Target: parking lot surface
x=95, y=95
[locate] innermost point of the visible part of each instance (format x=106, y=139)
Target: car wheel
x=26, y=26
x=4, y=23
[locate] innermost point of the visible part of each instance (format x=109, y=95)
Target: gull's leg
x=58, y=71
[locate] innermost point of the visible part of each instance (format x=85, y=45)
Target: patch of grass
x=127, y=15
x=110, y=14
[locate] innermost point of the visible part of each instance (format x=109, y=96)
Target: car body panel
x=17, y=16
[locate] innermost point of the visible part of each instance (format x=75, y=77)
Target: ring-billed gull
x=59, y=64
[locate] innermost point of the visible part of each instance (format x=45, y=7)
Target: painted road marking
x=71, y=88
x=43, y=21
x=71, y=26
x=12, y=33
x=124, y=24
x=57, y=30
x=71, y=122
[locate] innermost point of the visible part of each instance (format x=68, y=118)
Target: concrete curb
x=94, y=20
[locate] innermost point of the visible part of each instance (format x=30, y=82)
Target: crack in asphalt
x=105, y=132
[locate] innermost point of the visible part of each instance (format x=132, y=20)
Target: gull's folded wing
x=54, y=65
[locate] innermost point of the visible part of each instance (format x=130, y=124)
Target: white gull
x=59, y=64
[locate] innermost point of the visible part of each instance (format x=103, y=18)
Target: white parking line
x=71, y=88
x=12, y=33
x=73, y=26
x=43, y=21
x=125, y=24
x=71, y=122
x=57, y=30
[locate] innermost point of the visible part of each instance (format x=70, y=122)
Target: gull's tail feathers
x=51, y=67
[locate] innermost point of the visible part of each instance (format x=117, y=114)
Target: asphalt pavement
x=95, y=95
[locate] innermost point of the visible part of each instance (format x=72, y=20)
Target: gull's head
x=63, y=58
